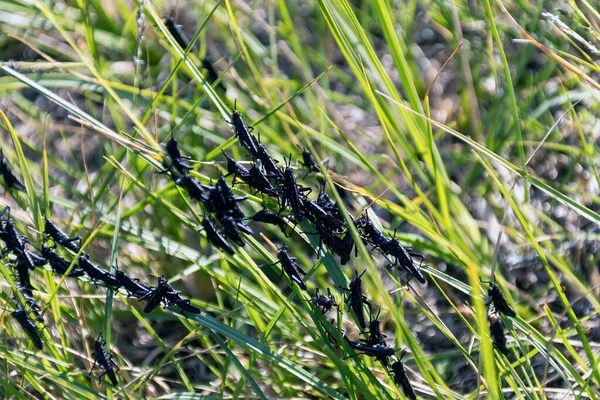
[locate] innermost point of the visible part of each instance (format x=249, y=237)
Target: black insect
x=28, y=327
x=403, y=258
x=242, y=132
x=357, y=299
x=14, y=241
x=222, y=201
x=291, y=193
x=496, y=297
x=24, y=258
x=327, y=203
x=175, y=31
x=175, y=157
x=58, y=263
x=268, y=217
x=12, y=182
x=325, y=302
x=290, y=267
x=327, y=237
x=316, y=213
x=193, y=188
x=376, y=350
x=346, y=245
x=132, y=286
x=371, y=233
x=22, y=274
x=186, y=305
x=37, y=260
x=498, y=337
x=375, y=334
x=95, y=272
x=231, y=230
x=391, y=247
x=213, y=76
x=215, y=237
x=236, y=169
x=401, y=379
x=27, y=294
x=259, y=181
x=309, y=162
x=157, y=295
x=268, y=163
x=105, y=361
x=54, y=232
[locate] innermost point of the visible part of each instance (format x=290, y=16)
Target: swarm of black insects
x=18, y=249
x=224, y=225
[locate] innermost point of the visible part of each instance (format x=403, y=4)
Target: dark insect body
x=27, y=294
x=309, y=162
x=59, y=264
x=37, y=260
x=175, y=31
x=236, y=169
x=325, y=302
x=328, y=204
x=175, y=157
x=403, y=258
x=401, y=379
x=213, y=76
x=28, y=327
x=157, y=295
x=290, y=267
x=496, y=297
x=25, y=258
x=12, y=182
x=105, y=361
x=375, y=334
x=357, y=299
x=215, y=237
x=317, y=214
x=242, y=132
x=132, y=286
x=53, y=231
x=186, y=305
x=371, y=233
x=498, y=337
x=268, y=163
x=230, y=228
x=259, y=181
x=222, y=201
x=291, y=194
x=22, y=274
x=347, y=245
x=327, y=237
x=14, y=241
x=376, y=350
x=268, y=217
x=391, y=247
x=192, y=187
x=96, y=273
